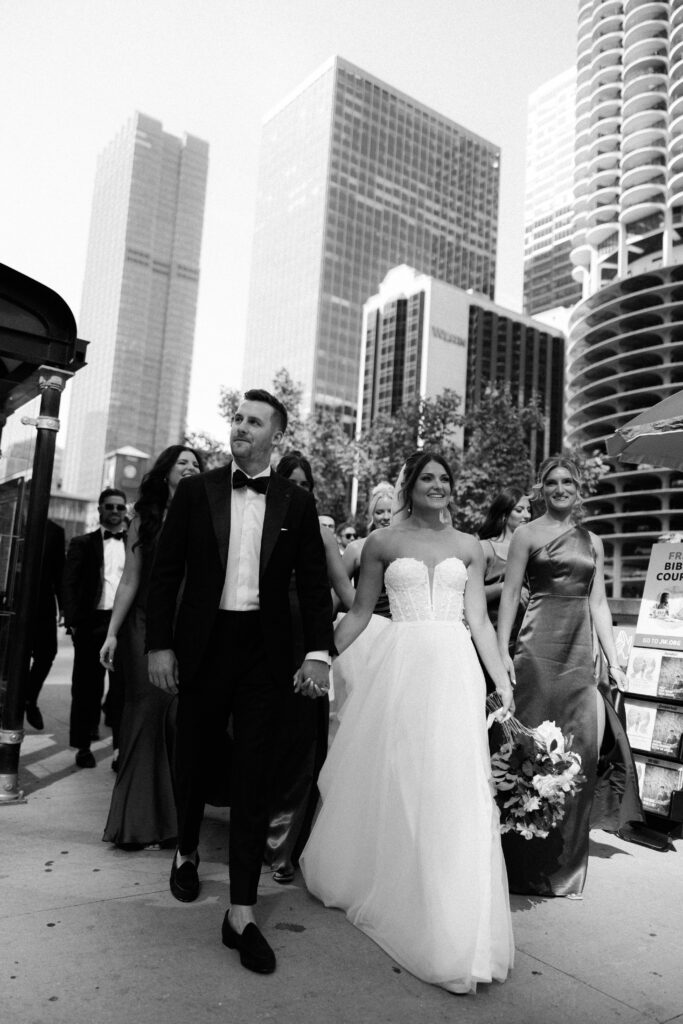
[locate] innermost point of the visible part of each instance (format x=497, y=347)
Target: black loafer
x=184, y=880
x=255, y=953
x=85, y=759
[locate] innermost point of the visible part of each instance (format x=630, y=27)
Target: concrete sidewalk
x=92, y=934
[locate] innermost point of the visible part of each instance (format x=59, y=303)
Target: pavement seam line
x=594, y=988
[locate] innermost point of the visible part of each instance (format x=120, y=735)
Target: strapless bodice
x=413, y=598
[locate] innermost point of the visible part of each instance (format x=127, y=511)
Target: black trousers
x=43, y=653
x=87, y=683
x=235, y=679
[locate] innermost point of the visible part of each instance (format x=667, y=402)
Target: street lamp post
x=51, y=383
x=39, y=352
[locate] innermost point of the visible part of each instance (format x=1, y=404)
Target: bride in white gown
x=407, y=841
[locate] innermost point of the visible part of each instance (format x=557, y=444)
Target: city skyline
x=354, y=178
x=139, y=299
x=214, y=69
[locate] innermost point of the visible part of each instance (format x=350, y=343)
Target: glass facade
x=549, y=200
x=421, y=336
x=139, y=299
x=356, y=178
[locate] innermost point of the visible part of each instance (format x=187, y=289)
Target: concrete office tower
x=625, y=345
x=549, y=198
x=355, y=178
x=421, y=336
x=139, y=299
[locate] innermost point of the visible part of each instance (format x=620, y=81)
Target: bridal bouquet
x=534, y=772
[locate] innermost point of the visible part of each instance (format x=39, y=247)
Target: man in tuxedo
x=44, y=625
x=92, y=572
x=230, y=542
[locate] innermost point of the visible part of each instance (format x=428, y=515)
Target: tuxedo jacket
x=83, y=577
x=191, y=557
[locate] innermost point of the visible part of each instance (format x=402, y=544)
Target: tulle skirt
x=407, y=840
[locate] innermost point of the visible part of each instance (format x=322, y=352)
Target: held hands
x=163, y=670
x=312, y=679
x=107, y=652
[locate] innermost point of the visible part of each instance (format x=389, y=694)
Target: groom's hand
x=313, y=678
x=163, y=670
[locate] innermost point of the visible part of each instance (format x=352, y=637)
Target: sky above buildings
x=73, y=71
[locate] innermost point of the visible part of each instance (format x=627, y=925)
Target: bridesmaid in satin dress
x=555, y=673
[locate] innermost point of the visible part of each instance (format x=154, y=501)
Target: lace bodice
x=411, y=598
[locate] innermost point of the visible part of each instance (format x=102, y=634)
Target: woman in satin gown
x=407, y=841
x=142, y=811
x=556, y=680
x=303, y=739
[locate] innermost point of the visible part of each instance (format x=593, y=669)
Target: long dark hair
x=295, y=460
x=153, y=494
x=497, y=515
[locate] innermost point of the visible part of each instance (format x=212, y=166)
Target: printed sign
x=660, y=622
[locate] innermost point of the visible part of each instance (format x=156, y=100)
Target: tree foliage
x=497, y=433
x=496, y=454
x=426, y=422
x=213, y=452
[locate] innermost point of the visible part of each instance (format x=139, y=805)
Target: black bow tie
x=108, y=535
x=258, y=484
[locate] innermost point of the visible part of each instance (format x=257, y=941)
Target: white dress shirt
x=247, y=512
x=114, y=558
x=241, y=586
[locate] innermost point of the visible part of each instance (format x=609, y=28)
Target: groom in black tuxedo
x=230, y=542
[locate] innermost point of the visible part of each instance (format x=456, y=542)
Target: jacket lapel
x=277, y=503
x=218, y=491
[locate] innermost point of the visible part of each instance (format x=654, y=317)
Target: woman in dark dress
x=304, y=733
x=509, y=509
x=142, y=811
x=556, y=679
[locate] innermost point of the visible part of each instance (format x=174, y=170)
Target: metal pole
x=51, y=383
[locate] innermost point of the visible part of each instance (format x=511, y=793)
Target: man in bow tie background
x=92, y=572
x=231, y=540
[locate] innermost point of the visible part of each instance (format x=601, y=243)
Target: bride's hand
x=507, y=700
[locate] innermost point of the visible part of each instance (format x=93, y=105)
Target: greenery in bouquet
x=534, y=772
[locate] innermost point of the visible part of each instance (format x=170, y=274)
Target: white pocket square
x=284, y=529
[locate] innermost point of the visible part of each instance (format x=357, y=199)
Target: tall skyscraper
x=421, y=336
x=139, y=299
x=625, y=346
x=549, y=198
x=355, y=178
